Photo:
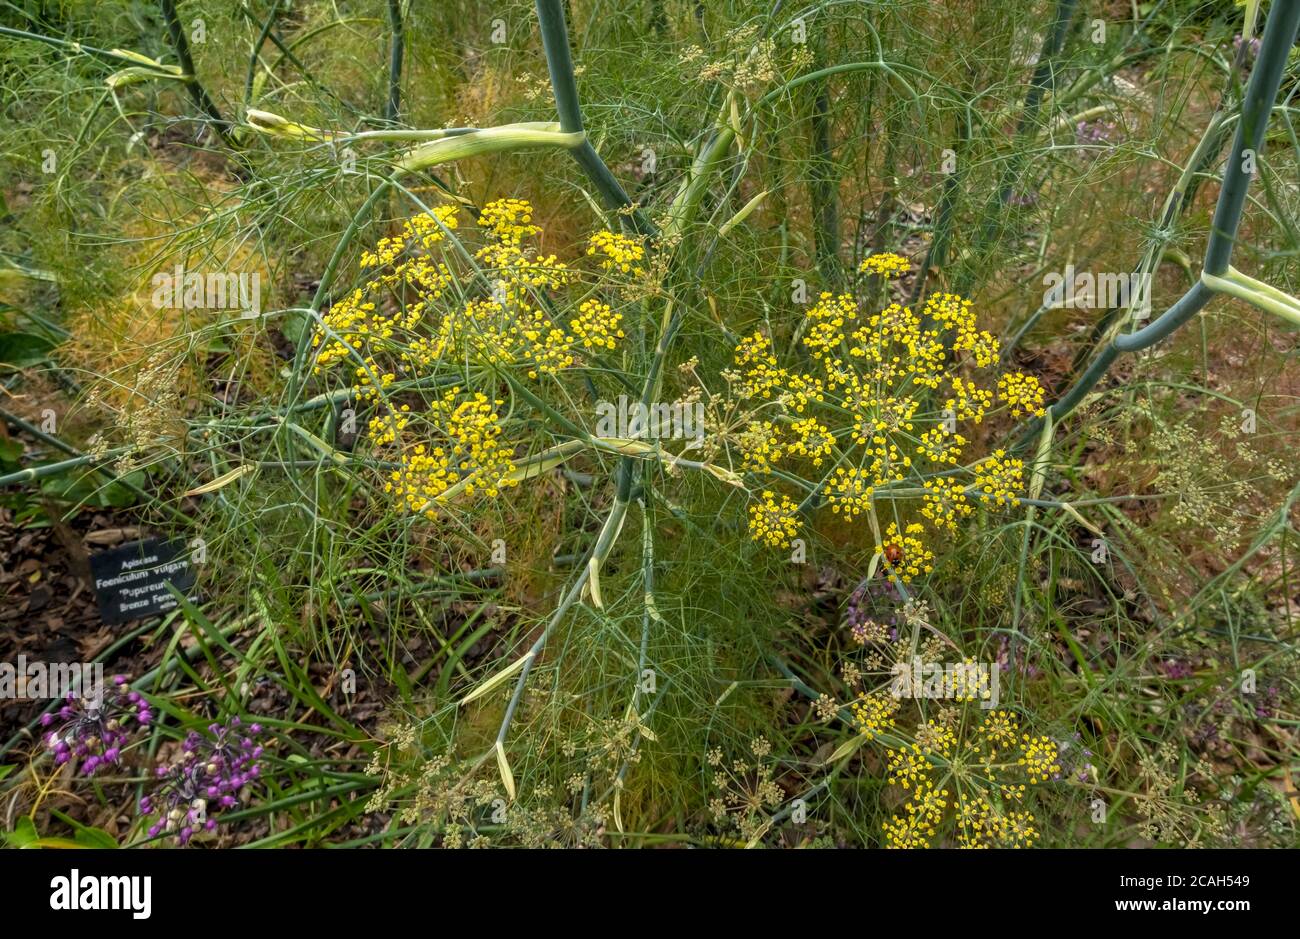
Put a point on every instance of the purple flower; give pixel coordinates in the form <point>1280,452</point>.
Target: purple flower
<point>1272,697</point>
<point>207,778</point>
<point>1095,133</point>
<point>1252,50</point>
<point>92,732</point>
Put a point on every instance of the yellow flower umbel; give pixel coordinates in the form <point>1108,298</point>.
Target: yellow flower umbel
<point>387,428</point>
<point>424,475</point>
<point>404,323</point>
<point>885,264</point>
<point>881,399</point>
<point>596,326</point>
<point>758,374</point>
<point>420,231</point>
<point>1039,758</point>
<point>849,491</point>
<point>617,252</point>
<point>873,713</point>
<point>969,402</point>
<point>471,456</point>
<point>773,521</point>
<point>999,730</point>
<point>999,478</point>
<point>945,502</point>
<point>905,553</point>
<point>826,322</point>
<point>939,446</point>
<point>983,811</point>
<point>907,766</point>
<point>1022,392</point>
<point>760,445</point>
<point>510,220</point>
<point>358,327</point>
<point>510,325</point>
<point>812,439</point>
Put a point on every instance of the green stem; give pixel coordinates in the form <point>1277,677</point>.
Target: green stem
<point>33,473</point>
<point>1044,77</point>
<point>395,54</point>
<point>296,380</point>
<point>822,190</point>
<point>1270,65</point>
<point>936,254</point>
<point>564,85</point>
<point>1278,38</point>
<point>76,47</point>
<point>257,51</point>
<point>181,45</point>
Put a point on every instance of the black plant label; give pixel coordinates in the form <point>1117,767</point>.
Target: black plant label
<point>131,580</point>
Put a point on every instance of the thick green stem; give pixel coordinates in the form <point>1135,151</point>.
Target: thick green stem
<point>564,85</point>
<point>296,379</point>
<point>1279,36</point>
<point>33,473</point>
<point>181,45</point>
<point>822,190</point>
<point>107,55</point>
<point>943,222</point>
<point>1247,148</point>
<point>1044,77</point>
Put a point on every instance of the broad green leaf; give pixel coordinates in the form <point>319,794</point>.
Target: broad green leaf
<point>23,349</point>
<point>24,833</point>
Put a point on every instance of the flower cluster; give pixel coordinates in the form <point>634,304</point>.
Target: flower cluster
<point>978,767</point>
<point>207,780</point>
<point>404,322</point>
<point>879,405</point>
<point>746,791</point>
<point>849,491</point>
<point>965,772</point>
<point>773,521</point>
<point>92,732</point>
<point>1039,758</point>
<point>356,327</point>
<point>998,478</point>
<point>746,62</point>
<point>885,264</point>
<point>617,252</point>
<point>597,325</point>
<point>1023,393</point>
<point>471,456</point>
<point>511,220</point>
<point>873,713</point>
<point>905,553</point>
<point>760,445</point>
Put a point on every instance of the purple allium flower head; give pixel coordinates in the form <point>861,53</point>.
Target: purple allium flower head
<point>92,732</point>
<point>207,778</point>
